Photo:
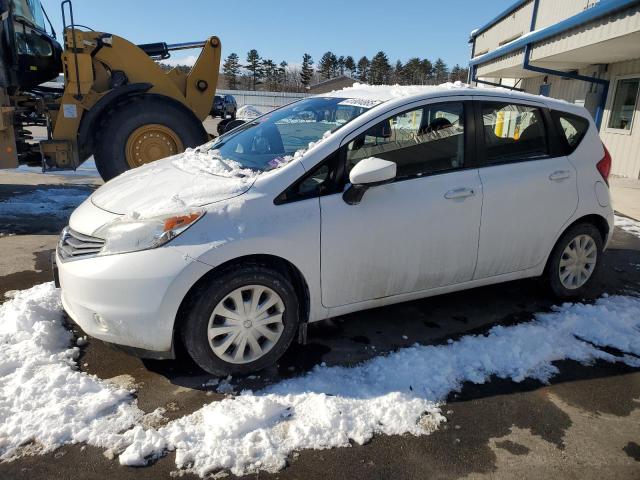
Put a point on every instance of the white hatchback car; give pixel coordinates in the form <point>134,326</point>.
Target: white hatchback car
<point>333,204</point>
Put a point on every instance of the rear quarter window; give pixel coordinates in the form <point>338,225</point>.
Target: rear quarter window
<point>571,128</point>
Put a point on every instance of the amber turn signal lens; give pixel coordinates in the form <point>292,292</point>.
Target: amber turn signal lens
<point>175,222</point>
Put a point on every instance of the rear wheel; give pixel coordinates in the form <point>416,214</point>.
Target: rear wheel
<point>142,130</point>
<point>574,261</point>
<point>243,321</point>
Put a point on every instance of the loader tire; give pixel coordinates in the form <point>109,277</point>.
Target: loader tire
<point>143,129</point>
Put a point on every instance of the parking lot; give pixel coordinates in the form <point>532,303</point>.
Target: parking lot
<point>584,424</point>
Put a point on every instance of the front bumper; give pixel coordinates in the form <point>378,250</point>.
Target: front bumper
<point>129,299</point>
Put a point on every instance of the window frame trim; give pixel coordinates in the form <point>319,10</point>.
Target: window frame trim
<point>636,106</point>
<point>552,140</point>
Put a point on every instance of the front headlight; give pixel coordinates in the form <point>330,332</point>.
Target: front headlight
<point>131,235</point>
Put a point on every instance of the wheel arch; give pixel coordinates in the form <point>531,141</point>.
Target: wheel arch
<point>270,261</point>
<point>594,219</point>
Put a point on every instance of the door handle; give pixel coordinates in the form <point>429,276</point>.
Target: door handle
<point>559,175</point>
<point>459,193</point>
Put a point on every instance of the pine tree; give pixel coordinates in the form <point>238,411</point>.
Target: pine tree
<point>459,74</point>
<point>440,71</point>
<point>270,72</point>
<point>380,69</point>
<point>306,73</point>
<point>231,70</point>
<point>254,66</point>
<point>341,64</point>
<point>426,70</point>
<point>363,69</point>
<point>413,72</point>
<point>282,75</point>
<point>398,73</point>
<point>350,64</point>
<point>328,65</point>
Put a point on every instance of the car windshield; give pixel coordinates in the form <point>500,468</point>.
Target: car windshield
<point>273,139</point>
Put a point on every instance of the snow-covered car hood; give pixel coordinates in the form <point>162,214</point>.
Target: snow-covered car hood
<point>191,179</point>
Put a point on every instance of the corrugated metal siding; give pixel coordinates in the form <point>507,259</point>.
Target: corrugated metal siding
<point>516,24</point>
<point>569,90</point>
<point>508,61</point>
<point>606,28</point>
<point>625,149</point>
<point>551,12</point>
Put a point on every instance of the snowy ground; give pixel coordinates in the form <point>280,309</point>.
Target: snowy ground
<point>59,202</point>
<point>87,169</point>
<point>628,225</point>
<point>45,401</point>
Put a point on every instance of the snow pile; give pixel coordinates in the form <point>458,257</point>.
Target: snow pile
<point>52,201</point>
<point>209,161</point>
<point>44,399</point>
<point>628,225</point>
<point>394,394</point>
<point>248,112</point>
<point>383,93</point>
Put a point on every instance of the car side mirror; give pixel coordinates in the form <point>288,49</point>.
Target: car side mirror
<point>368,173</point>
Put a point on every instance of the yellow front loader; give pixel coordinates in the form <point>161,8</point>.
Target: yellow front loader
<point>118,104</point>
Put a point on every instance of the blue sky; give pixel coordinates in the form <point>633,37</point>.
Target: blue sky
<point>285,29</point>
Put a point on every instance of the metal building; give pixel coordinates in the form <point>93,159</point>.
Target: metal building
<point>582,51</point>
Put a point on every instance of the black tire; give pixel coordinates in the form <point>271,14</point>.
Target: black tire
<point>195,325</point>
<point>231,124</point>
<point>222,125</point>
<point>119,122</point>
<point>553,265</point>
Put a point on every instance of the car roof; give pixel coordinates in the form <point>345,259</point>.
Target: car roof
<point>409,93</point>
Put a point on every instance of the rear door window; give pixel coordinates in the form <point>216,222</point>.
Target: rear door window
<point>513,133</point>
<point>572,129</point>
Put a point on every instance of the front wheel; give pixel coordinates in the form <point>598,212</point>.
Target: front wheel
<point>243,321</point>
<point>144,129</point>
<point>574,261</point>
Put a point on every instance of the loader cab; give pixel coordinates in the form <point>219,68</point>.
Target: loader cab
<point>30,55</point>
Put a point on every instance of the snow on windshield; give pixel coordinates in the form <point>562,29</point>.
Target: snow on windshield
<point>46,402</point>
<point>203,160</point>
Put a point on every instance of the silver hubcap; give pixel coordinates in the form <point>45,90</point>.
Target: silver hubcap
<point>578,262</point>
<point>246,324</point>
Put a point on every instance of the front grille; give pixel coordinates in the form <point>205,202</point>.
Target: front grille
<point>74,246</point>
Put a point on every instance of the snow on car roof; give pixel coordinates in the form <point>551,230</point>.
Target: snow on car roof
<point>377,94</point>
<point>383,93</point>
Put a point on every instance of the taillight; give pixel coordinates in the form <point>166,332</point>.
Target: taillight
<point>604,165</point>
